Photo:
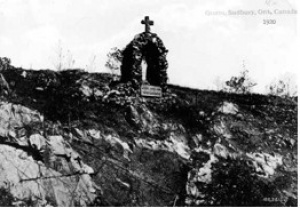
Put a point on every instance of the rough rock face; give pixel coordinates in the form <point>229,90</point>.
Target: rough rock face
<point>45,170</point>
<point>28,179</point>
<point>240,169</point>
<point>69,138</point>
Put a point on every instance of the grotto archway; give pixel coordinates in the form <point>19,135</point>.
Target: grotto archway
<point>147,46</point>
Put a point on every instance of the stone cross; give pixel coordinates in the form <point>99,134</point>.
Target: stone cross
<point>147,22</point>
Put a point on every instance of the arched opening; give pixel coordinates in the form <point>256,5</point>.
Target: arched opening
<point>144,58</point>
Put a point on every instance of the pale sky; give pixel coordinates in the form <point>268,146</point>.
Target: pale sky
<point>201,47</point>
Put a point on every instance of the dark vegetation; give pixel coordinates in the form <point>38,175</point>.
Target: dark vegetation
<point>6,199</point>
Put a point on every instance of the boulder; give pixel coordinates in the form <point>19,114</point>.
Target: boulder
<point>81,135</point>
<point>220,128</point>
<point>86,90</point>
<point>221,151</point>
<point>37,141</point>
<point>98,93</point>
<point>4,86</point>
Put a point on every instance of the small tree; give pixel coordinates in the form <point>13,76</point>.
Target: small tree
<point>242,83</point>
<point>285,86</point>
<point>114,60</point>
<point>69,60</point>
<point>91,66</point>
<point>219,84</point>
<point>61,59</point>
<point>4,63</point>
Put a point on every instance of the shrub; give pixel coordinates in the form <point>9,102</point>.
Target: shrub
<point>242,83</point>
<point>62,60</point>
<point>235,184</point>
<point>4,63</point>
<point>114,60</point>
<point>285,86</point>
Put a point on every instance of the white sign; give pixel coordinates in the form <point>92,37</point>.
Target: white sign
<point>151,91</point>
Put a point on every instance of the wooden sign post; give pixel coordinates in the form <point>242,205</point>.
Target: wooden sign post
<point>151,91</point>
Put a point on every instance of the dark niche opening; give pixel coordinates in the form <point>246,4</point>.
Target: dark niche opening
<point>148,47</point>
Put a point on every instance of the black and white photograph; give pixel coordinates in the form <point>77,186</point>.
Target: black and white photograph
<point>149,103</point>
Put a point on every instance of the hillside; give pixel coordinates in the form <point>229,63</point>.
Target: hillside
<point>71,138</point>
